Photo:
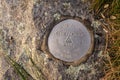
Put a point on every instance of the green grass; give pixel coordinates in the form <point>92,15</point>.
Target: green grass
<point>19,69</point>
<point>24,75</point>
<point>109,10</point>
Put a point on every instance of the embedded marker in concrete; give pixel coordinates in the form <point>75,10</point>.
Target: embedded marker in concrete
<point>69,40</point>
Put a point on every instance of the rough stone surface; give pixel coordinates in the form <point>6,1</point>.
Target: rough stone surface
<point>69,40</point>
<point>23,24</point>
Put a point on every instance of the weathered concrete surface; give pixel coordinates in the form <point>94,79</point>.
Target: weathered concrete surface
<point>23,24</point>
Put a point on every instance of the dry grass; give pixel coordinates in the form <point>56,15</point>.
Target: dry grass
<point>109,11</point>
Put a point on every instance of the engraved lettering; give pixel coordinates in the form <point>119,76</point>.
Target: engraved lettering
<point>69,38</point>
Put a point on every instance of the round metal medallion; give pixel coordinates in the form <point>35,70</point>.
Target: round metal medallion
<point>69,40</point>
